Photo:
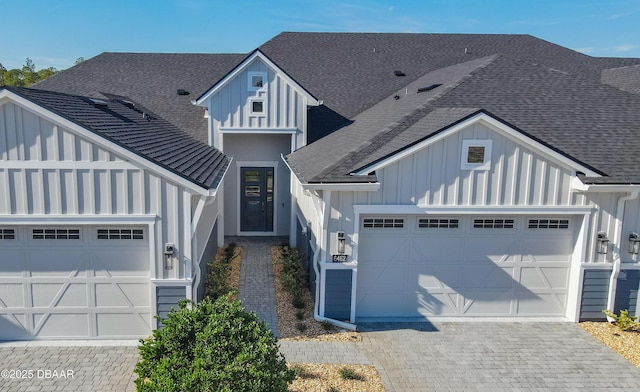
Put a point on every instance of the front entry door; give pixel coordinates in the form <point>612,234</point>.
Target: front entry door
<point>256,199</point>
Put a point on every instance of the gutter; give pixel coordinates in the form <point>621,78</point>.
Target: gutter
<point>617,239</point>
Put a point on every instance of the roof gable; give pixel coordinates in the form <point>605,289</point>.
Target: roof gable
<point>137,133</point>
<point>257,55</point>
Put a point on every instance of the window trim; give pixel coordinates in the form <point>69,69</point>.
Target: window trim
<point>464,159</point>
<point>6,232</point>
<point>264,106</point>
<point>58,233</point>
<point>548,223</point>
<point>388,222</point>
<point>439,223</point>
<point>116,233</point>
<point>490,223</point>
<point>250,85</point>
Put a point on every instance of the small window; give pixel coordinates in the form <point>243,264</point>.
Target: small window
<point>476,155</point>
<point>56,234</point>
<point>120,234</point>
<point>257,80</point>
<point>548,223</point>
<point>386,223</point>
<point>438,223</point>
<point>7,234</point>
<point>257,106</point>
<point>493,223</point>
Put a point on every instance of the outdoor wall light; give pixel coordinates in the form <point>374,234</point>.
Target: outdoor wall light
<point>341,242</point>
<point>634,243</point>
<point>169,252</point>
<point>602,245</point>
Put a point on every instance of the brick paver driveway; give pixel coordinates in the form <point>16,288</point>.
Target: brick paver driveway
<point>67,368</point>
<point>480,356</point>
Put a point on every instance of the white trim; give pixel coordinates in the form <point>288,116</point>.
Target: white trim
<point>355,187</point>
<point>132,158</point>
<point>73,165</point>
<point>241,67</point>
<point>574,286</point>
<point>464,157</point>
<point>579,186</point>
<point>466,210</point>
<point>494,125</point>
<point>275,131</point>
<point>266,164</point>
<point>77,219</point>
<point>186,283</point>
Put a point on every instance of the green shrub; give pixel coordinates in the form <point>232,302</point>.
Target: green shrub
<point>298,370</point>
<point>624,321</point>
<point>301,327</point>
<point>298,302</point>
<point>299,314</point>
<point>211,346</point>
<point>333,389</point>
<point>327,326</point>
<point>346,373</point>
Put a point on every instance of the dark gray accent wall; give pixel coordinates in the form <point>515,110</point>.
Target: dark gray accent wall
<point>595,289</point>
<point>337,300</point>
<point>167,297</point>
<point>208,255</point>
<point>627,291</point>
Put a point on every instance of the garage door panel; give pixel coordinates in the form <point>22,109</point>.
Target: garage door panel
<point>63,325</point>
<point>544,277</point>
<point>118,263</point>
<point>13,326</point>
<point>12,263</point>
<point>122,294</point>
<point>436,249</point>
<point>542,304</point>
<point>110,324</point>
<point>11,295</point>
<point>488,275</point>
<point>430,304</point>
<point>381,249</point>
<point>465,271</point>
<point>68,288</point>
<point>489,302</point>
<point>58,263</point>
<point>46,295</point>
<point>436,276</point>
<point>382,275</point>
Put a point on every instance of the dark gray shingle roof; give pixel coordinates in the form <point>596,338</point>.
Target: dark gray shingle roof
<point>121,121</point>
<point>151,79</point>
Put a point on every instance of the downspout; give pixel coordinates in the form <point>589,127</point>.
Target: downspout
<point>617,239</point>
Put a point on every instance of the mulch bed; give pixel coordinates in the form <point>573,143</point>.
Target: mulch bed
<point>324,377</point>
<point>291,321</point>
<point>625,343</point>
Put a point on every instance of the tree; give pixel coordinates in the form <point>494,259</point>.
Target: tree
<point>25,76</point>
<point>212,346</point>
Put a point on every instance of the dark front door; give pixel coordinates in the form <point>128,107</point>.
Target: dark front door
<point>256,199</point>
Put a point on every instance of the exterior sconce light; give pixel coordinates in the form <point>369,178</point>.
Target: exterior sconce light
<point>341,242</point>
<point>634,243</point>
<point>169,251</point>
<point>602,245</point>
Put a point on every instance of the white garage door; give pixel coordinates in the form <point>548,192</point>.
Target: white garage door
<point>74,282</point>
<point>410,266</point>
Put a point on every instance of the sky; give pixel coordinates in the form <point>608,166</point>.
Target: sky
<point>54,33</point>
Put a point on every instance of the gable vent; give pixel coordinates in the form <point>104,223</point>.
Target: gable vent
<point>429,88</point>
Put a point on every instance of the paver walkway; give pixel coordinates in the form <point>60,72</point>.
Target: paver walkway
<point>67,368</point>
<point>257,286</point>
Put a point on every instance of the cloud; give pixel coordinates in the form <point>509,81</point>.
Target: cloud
<point>625,47</point>
<point>588,50</point>
<point>623,14</point>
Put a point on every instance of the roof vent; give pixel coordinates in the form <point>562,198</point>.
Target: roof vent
<point>399,73</point>
<point>98,102</point>
<point>429,88</point>
<point>128,104</point>
<point>182,91</point>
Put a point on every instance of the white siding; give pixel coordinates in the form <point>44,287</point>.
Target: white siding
<point>518,176</point>
<point>285,106</point>
<point>49,170</point>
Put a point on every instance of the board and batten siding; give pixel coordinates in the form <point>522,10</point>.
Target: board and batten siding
<point>518,176</point>
<point>46,169</point>
<point>285,106</point>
